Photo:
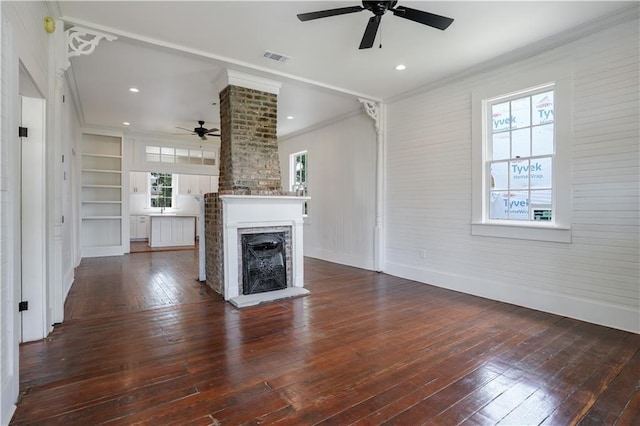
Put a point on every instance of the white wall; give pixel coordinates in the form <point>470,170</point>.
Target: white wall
<point>71,140</point>
<point>24,40</point>
<point>428,191</point>
<point>23,36</point>
<point>8,297</point>
<point>341,184</point>
<point>31,41</point>
<point>75,165</point>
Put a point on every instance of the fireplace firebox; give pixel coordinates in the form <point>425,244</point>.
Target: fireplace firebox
<point>263,262</point>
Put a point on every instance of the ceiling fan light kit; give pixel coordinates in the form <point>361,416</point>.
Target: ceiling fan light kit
<point>379,8</point>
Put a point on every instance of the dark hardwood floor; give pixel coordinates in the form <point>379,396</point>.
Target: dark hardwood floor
<point>145,343</point>
<point>143,247</point>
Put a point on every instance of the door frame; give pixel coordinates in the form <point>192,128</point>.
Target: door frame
<point>33,216</point>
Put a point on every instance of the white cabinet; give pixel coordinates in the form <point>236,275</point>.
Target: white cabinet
<point>138,227</point>
<point>204,183</point>
<point>197,184</point>
<point>138,182</point>
<point>172,230</point>
<point>185,184</point>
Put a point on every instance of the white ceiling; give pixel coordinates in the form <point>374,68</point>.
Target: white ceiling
<point>174,50</point>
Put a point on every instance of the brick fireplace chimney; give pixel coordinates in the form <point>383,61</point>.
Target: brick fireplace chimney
<point>249,166</point>
<point>249,162</point>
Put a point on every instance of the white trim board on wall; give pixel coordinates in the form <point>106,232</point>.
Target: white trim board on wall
<point>559,304</point>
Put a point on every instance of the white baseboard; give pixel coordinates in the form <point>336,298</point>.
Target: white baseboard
<point>102,251</point>
<point>607,314</point>
<point>8,407</point>
<point>68,282</point>
<point>8,415</point>
<point>340,258</point>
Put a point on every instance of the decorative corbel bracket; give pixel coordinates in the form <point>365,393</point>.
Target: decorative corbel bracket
<point>82,41</point>
<point>373,110</point>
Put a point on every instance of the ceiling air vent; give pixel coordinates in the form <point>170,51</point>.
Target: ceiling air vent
<point>276,56</point>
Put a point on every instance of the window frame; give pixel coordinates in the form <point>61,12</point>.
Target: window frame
<point>489,161</point>
<point>292,177</point>
<point>174,188</point>
<point>176,155</point>
<point>557,230</point>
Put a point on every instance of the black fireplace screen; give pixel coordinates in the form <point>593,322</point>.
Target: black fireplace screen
<point>263,262</point>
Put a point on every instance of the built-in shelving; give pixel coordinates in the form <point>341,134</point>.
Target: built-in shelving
<point>101,195</point>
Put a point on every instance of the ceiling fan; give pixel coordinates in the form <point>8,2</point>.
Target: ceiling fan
<point>201,131</point>
<point>379,8</point>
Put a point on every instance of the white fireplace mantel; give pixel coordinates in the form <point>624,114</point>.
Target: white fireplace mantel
<point>257,211</point>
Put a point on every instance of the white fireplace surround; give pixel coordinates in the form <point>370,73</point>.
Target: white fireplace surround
<point>258,211</point>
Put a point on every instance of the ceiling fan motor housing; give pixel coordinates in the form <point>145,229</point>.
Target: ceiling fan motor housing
<point>379,8</point>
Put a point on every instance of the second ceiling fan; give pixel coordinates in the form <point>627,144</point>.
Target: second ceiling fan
<point>201,131</point>
<point>379,8</point>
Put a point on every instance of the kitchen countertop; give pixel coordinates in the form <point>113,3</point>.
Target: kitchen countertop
<point>170,215</point>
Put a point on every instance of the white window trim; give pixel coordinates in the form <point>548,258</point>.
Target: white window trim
<point>174,192</point>
<point>559,230</point>
<point>292,166</point>
<point>292,178</point>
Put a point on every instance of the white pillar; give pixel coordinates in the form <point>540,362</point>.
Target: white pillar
<point>375,110</point>
<point>54,177</point>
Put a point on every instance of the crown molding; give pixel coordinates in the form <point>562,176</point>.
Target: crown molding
<point>236,78</point>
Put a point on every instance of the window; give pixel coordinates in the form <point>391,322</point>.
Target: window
<point>161,190</point>
<point>298,175</point>
<point>520,143</point>
<point>163,154</point>
<point>521,170</point>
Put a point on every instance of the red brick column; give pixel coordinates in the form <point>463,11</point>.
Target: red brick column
<point>249,164</point>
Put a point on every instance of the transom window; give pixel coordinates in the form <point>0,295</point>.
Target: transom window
<point>520,143</point>
<point>161,190</point>
<point>164,154</point>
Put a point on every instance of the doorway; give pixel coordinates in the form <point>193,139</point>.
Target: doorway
<point>32,213</point>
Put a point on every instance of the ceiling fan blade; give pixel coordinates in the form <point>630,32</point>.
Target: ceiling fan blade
<point>426,18</point>
<point>214,134</point>
<point>213,129</point>
<point>329,12</point>
<point>182,128</point>
<point>370,32</point>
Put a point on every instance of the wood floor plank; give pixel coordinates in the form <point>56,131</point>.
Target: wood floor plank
<point>379,392</point>
<point>144,343</point>
<point>575,407</point>
<point>398,407</point>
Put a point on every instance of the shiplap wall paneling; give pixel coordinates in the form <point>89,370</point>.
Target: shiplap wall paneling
<point>8,286</point>
<point>341,181</point>
<point>22,40</point>
<point>428,170</point>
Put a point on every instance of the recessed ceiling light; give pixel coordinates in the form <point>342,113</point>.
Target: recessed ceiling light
<point>126,123</point>
<point>401,67</point>
<point>289,117</point>
<point>134,89</point>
